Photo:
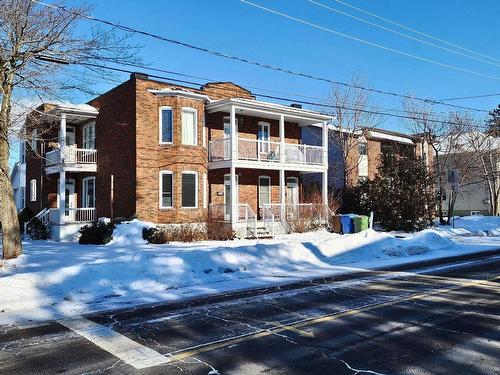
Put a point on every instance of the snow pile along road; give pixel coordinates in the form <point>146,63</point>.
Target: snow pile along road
<point>53,280</point>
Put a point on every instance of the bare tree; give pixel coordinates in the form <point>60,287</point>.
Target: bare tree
<point>30,34</point>
<point>486,151</point>
<point>353,117</point>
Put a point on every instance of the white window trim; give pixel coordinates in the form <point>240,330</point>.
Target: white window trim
<point>195,111</point>
<point>160,184</point>
<point>86,126</point>
<point>195,189</point>
<point>84,192</point>
<point>264,141</point>
<point>204,131</point>
<point>33,190</point>
<point>270,190</point>
<point>34,139</point>
<point>160,123</point>
<point>204,190</point>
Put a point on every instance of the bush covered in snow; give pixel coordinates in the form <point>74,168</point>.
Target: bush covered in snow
<point>217,229</point>
<point>24,216</point>
<point>37,230</point>
<point>171,233</point>
<point>96,234</point>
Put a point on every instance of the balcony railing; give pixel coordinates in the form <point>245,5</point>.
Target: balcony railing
<point>73,215</point>
<point>71,155</point>
<point>266,151</point>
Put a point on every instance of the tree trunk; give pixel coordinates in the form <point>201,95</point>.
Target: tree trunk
<point>11,235</point>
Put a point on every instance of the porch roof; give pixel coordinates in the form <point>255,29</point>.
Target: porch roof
<point>75,113</point>
<point>268,110</point>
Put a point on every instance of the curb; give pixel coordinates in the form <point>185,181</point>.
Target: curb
<point>133,311</point>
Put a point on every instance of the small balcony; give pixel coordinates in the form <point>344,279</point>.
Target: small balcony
<point>71,159</point>
<point>73,215</point>
<point>267,153</point>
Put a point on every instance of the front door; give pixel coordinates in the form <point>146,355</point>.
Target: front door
<point>70,200</point>
<point>292,197</point>
<point>227,136</point>
<point>227,195</point>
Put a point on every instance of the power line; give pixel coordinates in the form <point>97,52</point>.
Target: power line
<point>416,31</point>
<point>259,64</point>
<point>324,105</point>
<point>403,34</point>
<point>449,66</point>
<point>471,97</point>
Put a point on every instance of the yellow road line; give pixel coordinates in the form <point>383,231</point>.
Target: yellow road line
<point>202,348</point>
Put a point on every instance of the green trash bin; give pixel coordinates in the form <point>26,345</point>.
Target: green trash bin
<point>360,223</point>
<point>335,224</point>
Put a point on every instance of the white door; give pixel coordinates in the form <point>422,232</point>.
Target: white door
<point>88,192</point>
<point>264,136</point>
<point>292,190</point>
<point>70,200</point>
<point>70,135</point>
<point>227,195</point>
<point>227,136</point>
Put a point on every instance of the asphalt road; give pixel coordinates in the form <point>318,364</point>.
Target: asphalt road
<point>442,320</point>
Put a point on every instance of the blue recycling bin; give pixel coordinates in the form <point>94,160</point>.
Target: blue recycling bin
<point>347,224</point>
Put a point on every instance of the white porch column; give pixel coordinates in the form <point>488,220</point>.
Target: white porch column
<point>62,136</point>
<point>234,196</point>
<point>282,191</point>
<point>234,135</point>
<point>282,138</point>
<point>62,195</point>
<point>324,142</point>
<point>324,187</point>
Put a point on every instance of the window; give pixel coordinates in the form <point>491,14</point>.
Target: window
<point>22,152</point>
<point>33,190</point>
<point>22,202</point>
<point>362,148</point>
<point>88,136</point>
<point>475,213</point>
<point>264,190</point>
<point>264,136</point>
<point>189,189</point>
<point>166,189</point>
<point>189,126</point>
<point>34,136</point>
<point>166,125</point>
<point>88,192</point>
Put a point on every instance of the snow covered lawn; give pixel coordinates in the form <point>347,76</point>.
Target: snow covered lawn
<point>53,280</point>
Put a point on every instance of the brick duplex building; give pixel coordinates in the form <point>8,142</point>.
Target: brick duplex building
<point>166,153</point>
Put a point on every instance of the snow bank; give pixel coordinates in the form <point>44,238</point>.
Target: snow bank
<point>53,280</point>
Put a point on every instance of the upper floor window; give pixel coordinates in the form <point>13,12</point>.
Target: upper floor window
<point>264,136</point>
<point>166,189</point>
<point>189,126</point>
<point>22,152</point>
<point>34,137</point>
<point>166,125</point>
<point>33,190</point>
<point>362,148</point>
<point>88,136</point>
<point>189,189</point>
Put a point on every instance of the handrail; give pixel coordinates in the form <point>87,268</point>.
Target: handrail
<point>268,218</point>
<point>250,219</point>
<point>266,151</point>
<point>72,155</point>
<point>43,216</point>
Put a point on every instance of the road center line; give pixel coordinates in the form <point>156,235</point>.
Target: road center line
<point>219,344</point>
<point>129,351</point>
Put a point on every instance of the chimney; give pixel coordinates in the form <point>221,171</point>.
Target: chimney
<point>296,105</point>
<point>138,75</point>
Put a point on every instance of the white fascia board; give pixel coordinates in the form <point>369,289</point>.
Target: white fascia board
<point>188,94</point>
<point>390,137</point>
<point>278,108</point>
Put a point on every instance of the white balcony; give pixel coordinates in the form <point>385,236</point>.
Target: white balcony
<point>72,159</point>
<point>266,154</point>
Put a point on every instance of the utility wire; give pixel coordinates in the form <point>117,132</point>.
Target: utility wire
<point>416,31</point>
<point>256,63</point>
<point>403,34</point>
<point>335,32</point>
<point>323,105</point>
<point>471,97</point>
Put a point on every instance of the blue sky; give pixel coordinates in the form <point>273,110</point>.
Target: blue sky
<point>239,29</point>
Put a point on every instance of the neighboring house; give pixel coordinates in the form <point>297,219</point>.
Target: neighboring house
<point>18,180</point>
<point>460,155</point>
<point>365,153</point>
<point>164,153</point>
